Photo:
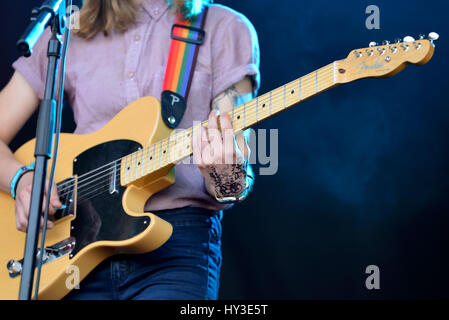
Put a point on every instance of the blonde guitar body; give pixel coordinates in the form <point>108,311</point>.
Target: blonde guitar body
<point>105,178</point>
<point>140,122</point>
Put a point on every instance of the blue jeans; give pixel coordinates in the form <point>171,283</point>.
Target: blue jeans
<point>186,267</point>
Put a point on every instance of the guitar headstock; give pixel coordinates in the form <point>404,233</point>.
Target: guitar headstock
<point>387,59</point>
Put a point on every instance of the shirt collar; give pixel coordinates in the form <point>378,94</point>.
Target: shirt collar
<point>155,8</point>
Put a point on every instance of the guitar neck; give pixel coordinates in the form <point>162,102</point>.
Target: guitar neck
<point>178,146</point>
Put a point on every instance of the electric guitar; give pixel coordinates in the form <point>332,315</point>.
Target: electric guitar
<point>105,178</point>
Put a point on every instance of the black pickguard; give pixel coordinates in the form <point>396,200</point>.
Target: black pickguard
<point>100,215</point>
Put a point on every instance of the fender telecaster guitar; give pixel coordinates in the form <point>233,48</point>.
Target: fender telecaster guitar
<point>105,178</point>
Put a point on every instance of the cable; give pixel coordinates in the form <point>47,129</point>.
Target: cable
<point>55,146</point>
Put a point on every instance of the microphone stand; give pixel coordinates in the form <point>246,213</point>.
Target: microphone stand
<point>53,14</point>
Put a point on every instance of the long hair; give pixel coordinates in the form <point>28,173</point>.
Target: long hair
<point>118,15</point>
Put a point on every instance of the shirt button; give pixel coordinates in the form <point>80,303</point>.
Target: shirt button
<point>156,12</point>
<point>137,38</point>
<point>131,75</point>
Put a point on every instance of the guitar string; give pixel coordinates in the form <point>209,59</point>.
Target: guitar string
<point>164,140</point>
<point>83,193</point>
<point>277,95</point>
<point>275,99</point>
<point>108,175</point>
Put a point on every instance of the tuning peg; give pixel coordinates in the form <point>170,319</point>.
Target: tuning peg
<point>397,40</point>
<point>409,39</point>
<point>373,44</point>
<point>385,42</point>
<point>433,36</point>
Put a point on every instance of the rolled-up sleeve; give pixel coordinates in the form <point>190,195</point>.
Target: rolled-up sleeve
<point>34,68</point>
<point>235,54</point>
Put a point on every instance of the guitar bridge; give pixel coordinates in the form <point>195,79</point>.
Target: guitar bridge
<point>52,253</point>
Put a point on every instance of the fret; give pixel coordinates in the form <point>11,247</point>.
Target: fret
<point>153,157</point>
<point>129,168</point>
<point>160,156</point>
<point>183,144</point>
<point>291,97</point>
<point>168,150</point>
<point>164,152</point>
<point>126,170</point>
<point>180,144</point>
<point>232,118</point>
<point>137,166</point>
<point>175,155</point>
<point>244,115</point>
<point>316,81</point>
<point>308,87</point>
<point>285,96</point>
<point>189,142</point>
<point>270,101</point>
<point>275,104</point>
<point>148,160</point>
<point>264,112</point>
<point>335,71</point>
<point>188,147</point>
<point>136,173</point>
<point>141,163</point>
<point>257,109</point>
<point>325,75</point>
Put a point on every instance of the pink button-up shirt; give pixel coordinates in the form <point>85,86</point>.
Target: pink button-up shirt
<point>105,74</point>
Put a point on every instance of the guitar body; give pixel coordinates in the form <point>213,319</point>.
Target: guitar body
<point>100,224</point>
<point>104,182</point>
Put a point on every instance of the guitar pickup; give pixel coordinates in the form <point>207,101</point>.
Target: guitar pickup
<point>52,253</point>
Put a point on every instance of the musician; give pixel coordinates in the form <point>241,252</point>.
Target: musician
<point>118,55</point>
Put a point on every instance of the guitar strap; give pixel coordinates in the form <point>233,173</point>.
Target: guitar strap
<point>187,37</point>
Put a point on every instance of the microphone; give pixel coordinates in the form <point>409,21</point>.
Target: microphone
<point>41,18</point>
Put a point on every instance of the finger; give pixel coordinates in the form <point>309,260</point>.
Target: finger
<point>25,201</point>
<point>212,125</point>
<point>228,139</point>
<point>229,146</point>
<point>55,203</point>
<point>216,146</point>
<point>54,198</point>
<point>197,149</point>
<point>21,220</point>
<point>213,119</point>
<point>215,137</point>
<point>206,152</point>
<point>225,121</point>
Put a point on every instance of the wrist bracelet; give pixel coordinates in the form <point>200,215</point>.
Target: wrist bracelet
<point>19,174</point>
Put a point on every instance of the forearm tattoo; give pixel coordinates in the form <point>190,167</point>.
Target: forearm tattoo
<point>228,180</point>
<point>231,94</point>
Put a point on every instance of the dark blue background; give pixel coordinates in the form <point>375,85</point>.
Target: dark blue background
<point>363,169</point>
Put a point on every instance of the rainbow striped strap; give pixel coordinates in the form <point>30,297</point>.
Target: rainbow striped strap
<point>187,37</point>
